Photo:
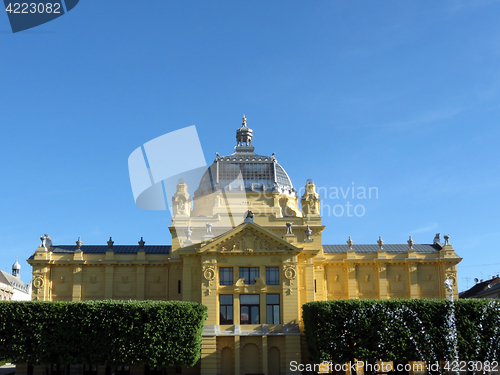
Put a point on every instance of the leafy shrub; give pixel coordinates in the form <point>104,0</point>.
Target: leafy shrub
<point>115,333</point>
<point>402,330</point>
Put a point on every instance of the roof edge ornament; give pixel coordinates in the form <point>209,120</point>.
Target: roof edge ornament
<point>380,243</point>
<point>350,243</point>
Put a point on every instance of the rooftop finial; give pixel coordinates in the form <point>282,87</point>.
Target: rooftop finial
<point>244,138</point>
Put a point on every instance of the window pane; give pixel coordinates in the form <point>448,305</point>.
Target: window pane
<point>272,276</point>
<point>244,274</point>
<point>245,318</point>
<point>249,274</point>
<point>255,314</point>
<point>276,315</point>
<point>226,299</point>
<point>249,299</point>
<point>254,272</point>
<point>273,299</point>
<point>269,314</point>
<point>226,309</point>
<point>226,275</point>
<point>273,308</point>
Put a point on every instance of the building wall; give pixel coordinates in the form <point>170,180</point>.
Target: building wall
<point>191,272</point>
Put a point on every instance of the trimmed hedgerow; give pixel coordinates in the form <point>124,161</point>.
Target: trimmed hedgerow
<point>402,330</point>
<point>116,333</point>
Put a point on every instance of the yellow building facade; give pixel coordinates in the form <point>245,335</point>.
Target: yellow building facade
<point>248,247</point>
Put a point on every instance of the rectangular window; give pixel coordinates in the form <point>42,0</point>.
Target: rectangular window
<point>249,274</point>
<point>273,308</point>
<point>249,309</point>
<point>226,309</point>
<point>226,276</point>
<point>272,276</point>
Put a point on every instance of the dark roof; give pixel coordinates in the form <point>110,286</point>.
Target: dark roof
<point>481,288</point>
<point>117,249</point>
<point>394,248</point>
<point>490,289</point>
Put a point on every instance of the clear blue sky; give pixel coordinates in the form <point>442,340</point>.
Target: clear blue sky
<point>399,95</point>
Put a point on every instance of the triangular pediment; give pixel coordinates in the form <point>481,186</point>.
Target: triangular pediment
<point>248,238</point>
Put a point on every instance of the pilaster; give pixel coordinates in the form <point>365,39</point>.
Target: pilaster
<point>141,274</point>
<point>237,357</point>
<point>320,282</point>
<point>290,293</point>
<point>292,352</point>
<point>265,360</point>
<point>413,280</point>
<point>382,281</point>
<point>108,281</point>
<point>77,283</point>
<point>351,281</point>
<point>208,285</point>
<point>209,355</point>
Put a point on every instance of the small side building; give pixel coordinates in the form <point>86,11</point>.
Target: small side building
<point>12,287</point>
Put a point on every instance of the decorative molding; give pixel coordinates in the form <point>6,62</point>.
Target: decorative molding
<point>452,276</point>
<point>209,273</point>
<point>38,282</point>
<point>412,267</point>
<point>290,272</point>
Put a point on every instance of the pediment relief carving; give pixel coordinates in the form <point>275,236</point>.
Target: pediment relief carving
<point>249,238</point>
<point>247,242</point>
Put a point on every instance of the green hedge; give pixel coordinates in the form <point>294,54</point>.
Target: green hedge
<point>402,330</point>
<point>102,332</point>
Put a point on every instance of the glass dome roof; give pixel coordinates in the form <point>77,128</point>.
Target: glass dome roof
<point>245,171</point>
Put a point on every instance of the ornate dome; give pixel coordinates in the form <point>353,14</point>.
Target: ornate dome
<point>16,266</point>
<point>245,171</point>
